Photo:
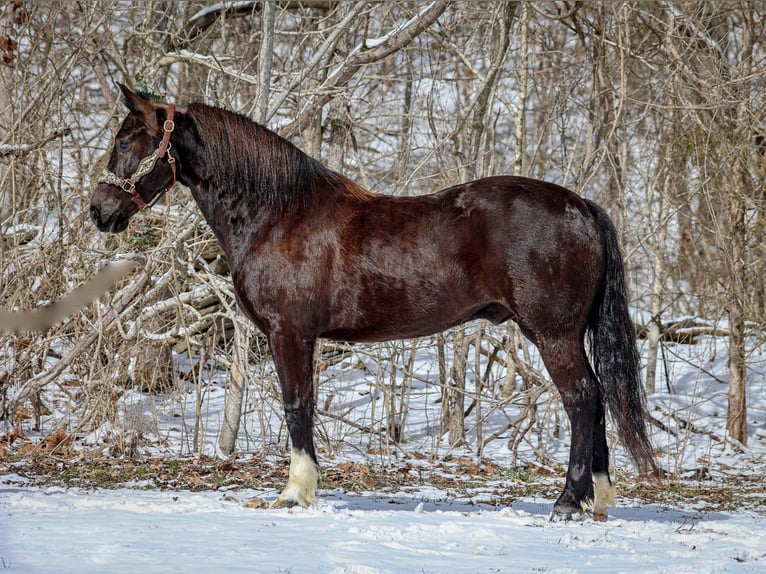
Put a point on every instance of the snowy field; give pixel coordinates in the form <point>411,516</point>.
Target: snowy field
<point>426,529</point>
<point>111,531</point>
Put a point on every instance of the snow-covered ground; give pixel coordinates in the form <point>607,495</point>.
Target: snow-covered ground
<point>52,528</point>
<point>111,531</point>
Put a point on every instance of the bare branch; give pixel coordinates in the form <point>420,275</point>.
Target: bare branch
<point>20,150</point>
<point>365,53</point>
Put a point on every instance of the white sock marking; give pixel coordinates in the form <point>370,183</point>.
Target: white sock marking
<point>302,482</point>
<point>603,493</point>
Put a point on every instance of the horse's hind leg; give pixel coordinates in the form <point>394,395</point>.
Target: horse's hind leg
<point>603,491</point>
<point>565,360</point>
<point>293,356</point>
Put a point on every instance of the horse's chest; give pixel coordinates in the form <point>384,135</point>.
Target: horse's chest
<point>270,284</point>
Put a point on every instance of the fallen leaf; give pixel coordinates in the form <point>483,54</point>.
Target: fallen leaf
<point>22,413</point>
<point>256,503</point>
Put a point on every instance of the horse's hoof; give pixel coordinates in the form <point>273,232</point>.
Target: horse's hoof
<point>567,512</point>
<point>286,503</point>
<point>600,516</point>
<point>564,512</point>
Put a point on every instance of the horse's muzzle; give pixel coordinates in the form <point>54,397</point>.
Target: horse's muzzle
<point>116,222</point>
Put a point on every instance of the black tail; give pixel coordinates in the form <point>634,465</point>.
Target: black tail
<point>616,360</point>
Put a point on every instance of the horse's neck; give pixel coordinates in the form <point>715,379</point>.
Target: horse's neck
<point>237,219</point>
<point>234,223</point>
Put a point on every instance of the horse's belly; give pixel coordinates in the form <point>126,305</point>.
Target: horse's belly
<point>408,321</point>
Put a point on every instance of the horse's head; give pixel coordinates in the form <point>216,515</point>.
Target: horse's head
<point>140,168</point>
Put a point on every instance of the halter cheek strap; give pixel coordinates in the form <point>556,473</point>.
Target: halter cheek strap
<point>146,165</point>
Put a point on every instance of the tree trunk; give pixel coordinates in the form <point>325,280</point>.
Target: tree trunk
<point>339,133</point>
<point>235,391</point>
<point>453,404</point>
<point>736,419</point>
<point>520,129</point>
<point>658,282</point>
<point>266,59</point>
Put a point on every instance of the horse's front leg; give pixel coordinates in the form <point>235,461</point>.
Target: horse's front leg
<point>293,355</point>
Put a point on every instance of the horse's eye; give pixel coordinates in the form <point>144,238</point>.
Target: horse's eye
<point>123,144</point>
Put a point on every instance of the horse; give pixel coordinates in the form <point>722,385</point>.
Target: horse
<point>314,255</point>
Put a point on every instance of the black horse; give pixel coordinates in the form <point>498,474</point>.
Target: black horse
<point>313,254</point>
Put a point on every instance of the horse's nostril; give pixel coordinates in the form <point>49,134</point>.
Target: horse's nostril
<point>113,222</point>
<point>117,222</point>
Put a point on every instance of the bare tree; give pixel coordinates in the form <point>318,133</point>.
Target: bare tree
<point>651,108</point>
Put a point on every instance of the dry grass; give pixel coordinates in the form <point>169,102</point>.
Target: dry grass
<point>462,479</point>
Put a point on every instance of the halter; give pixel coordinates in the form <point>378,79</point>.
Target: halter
<point>146,166</point>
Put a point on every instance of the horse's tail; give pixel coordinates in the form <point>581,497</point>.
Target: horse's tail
<point>615,354</point>
<point>46,317</point>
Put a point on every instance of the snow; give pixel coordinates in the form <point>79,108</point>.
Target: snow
<point>128,530</point>
<point>423,529</point>
<point>221,6</point>
<point>371,43</point>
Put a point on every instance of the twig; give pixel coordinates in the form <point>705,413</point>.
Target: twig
<point>20,150</point>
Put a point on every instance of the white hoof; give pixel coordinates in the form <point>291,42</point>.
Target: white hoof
<point>603,495</point>
<point>301,484</point>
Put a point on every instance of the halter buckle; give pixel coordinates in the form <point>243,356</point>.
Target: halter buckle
<point>128,185</point>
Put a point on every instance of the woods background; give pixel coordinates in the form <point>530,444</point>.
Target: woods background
<point>653,109</point>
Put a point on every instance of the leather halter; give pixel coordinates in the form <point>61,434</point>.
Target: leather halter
<point>146,165</point>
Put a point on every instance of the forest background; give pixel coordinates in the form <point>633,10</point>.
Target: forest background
<point>653,109</point>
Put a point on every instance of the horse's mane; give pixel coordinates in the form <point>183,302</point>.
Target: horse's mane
<point>249,159</point>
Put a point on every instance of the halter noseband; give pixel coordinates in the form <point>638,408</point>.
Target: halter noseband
<point>146,166</point>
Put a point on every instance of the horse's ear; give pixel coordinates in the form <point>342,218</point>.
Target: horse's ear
<point>140,105</point>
